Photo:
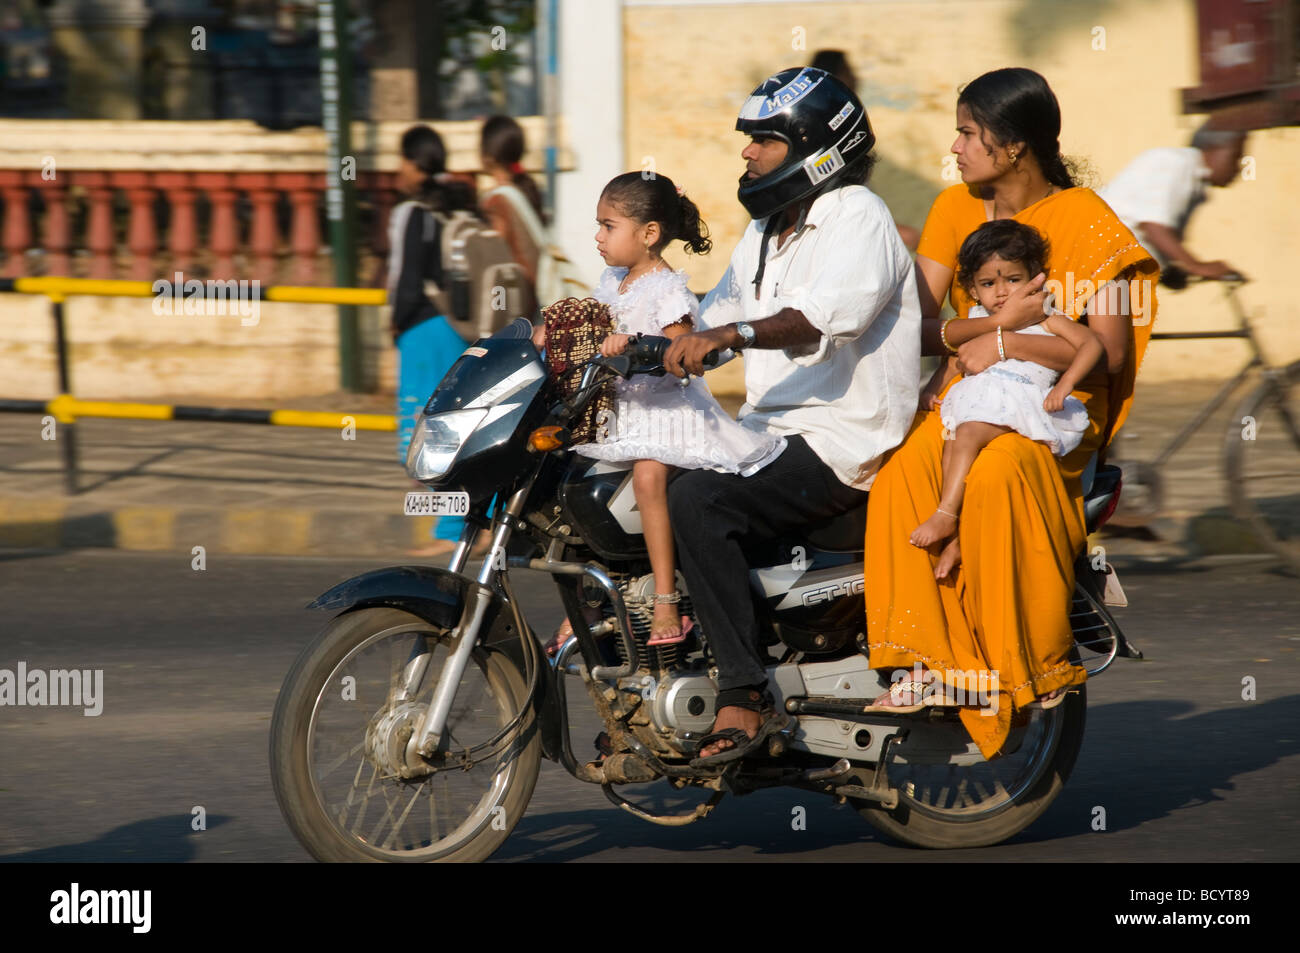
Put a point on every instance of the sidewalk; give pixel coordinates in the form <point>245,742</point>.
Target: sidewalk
<point>248,489</point>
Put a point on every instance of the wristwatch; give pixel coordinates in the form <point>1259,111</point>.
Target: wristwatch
<point>747,335</point>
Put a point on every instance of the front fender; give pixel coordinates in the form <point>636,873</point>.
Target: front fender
<point>437,596</point>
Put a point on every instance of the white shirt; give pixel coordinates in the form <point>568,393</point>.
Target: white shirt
<point>853,394</point>
<point>1162,186</point>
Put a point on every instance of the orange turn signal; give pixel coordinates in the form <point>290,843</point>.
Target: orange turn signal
<point>547,438</point>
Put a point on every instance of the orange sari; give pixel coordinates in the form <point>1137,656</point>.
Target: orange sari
<point>1006,609</point>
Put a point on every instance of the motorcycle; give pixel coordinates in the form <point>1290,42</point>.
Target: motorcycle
<point>412,727</point>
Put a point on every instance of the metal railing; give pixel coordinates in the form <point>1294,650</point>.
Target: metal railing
<point>66,409</point>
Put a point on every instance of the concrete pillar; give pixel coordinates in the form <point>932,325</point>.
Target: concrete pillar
<point>103,43</point>
<point>590,45</point>
<point>403,75</point>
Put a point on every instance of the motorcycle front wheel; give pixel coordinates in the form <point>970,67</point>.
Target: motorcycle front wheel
<point>977,805</point>
<point>341,723</point>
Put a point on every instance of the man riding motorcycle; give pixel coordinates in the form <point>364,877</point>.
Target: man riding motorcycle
<point>821,293</point>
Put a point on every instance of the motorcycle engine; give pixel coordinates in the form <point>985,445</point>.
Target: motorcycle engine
<point>678,690</point>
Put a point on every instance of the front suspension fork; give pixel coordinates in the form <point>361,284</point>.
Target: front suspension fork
<point>478,596</point>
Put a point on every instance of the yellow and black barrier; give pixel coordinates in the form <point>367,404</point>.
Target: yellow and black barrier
<point>66,409</point>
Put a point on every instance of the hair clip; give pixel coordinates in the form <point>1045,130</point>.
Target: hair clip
<point>680,190</point>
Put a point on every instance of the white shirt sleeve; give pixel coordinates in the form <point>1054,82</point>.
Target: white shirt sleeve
<point>858,275</point>
<point>722,305</point>
<point>1159,187</point>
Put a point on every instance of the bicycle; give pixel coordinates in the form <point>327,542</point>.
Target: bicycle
<point>1263,477</point>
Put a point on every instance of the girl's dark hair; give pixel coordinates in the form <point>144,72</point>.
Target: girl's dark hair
<point>502,141</point>
<point>1008,240</point>
<point>1017,105</point>
<point>655,199</point>
<point>424,148</point>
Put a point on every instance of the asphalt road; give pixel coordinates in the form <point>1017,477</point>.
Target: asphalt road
<point>1185,769</point>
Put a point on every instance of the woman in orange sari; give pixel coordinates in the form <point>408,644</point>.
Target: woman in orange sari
<point>1005,610</point>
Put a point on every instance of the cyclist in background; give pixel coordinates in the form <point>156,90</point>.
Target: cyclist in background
<point>1156,193</point>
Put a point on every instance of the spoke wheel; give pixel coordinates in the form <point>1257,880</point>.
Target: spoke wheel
<point>944,804</point>
<point>338,746</point>
<point>1262,463</point>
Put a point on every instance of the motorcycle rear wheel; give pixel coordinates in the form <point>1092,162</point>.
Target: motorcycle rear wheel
<point>925,817</point>
<point>334,794</point>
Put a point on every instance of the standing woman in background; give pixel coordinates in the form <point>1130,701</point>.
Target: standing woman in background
<point>513,206</point>
<point>427,345</point>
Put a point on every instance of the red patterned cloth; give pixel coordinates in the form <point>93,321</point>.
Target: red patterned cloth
<point>575,328</point>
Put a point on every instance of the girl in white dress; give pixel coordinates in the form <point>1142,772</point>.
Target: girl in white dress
<point>1011,395</point>
<point>660,422</point>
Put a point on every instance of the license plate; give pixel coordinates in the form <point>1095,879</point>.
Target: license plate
<point>437,504</point>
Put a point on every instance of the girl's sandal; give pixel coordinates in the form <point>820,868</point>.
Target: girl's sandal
<point>669,632</point>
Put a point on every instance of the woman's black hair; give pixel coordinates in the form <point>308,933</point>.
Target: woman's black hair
<point>424,148</point>
<point>502,140</point>
<point>648,197</point>
<point>1017,105</point>
<point>1008,240</point>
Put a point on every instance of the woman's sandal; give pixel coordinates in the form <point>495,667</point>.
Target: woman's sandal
<point>896,691</point>
<point>930,697</point>
<point>1050,703</point>
<point>669,633</point>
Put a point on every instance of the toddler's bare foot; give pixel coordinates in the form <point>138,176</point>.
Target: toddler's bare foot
<point>949,559</point>
<point>940,525</point>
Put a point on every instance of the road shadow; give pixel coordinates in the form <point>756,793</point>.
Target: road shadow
<point>1146,760</point>
<point>1141,761</point>
<point>168,840</point>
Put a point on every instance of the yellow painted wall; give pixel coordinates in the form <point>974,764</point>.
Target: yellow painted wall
<point>690,66</point>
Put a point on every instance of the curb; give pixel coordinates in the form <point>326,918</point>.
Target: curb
<point>51,523</point>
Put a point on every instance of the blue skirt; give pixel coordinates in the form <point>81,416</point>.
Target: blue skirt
<point>424,355</point>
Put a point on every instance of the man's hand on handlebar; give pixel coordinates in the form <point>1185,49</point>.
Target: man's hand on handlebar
<point>685,355</point>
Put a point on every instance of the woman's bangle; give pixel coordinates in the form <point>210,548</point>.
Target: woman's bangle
<point>1002,353</point>
<point>943,334</point>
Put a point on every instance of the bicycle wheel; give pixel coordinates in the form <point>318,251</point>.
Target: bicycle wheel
<point>1262,462</point>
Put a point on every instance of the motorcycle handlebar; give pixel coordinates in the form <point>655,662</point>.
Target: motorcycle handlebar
<point>646,352</point>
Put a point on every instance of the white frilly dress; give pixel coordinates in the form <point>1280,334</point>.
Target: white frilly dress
<point>1011,393</point>
<point>665,418</point>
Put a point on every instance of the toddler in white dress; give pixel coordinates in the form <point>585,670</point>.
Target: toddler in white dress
<point>1010,395</point>
<point>660,422</point>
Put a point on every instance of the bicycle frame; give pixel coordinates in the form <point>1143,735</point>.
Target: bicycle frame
<point>1243,331</point>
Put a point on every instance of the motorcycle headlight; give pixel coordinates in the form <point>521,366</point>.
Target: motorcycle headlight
<point>437,440</point>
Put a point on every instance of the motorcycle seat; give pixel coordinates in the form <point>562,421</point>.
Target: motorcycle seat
<point>843,533</point>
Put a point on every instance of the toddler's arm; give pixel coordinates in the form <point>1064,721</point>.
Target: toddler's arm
<point>1088,351</point>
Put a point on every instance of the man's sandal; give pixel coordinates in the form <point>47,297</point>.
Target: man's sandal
<point>669,633</point>
<point>742,744</point>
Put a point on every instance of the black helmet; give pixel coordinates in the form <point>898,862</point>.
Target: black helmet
<point>823,123</point>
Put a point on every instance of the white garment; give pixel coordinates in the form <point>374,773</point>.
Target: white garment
<point>1011,393</point>
<point>853,394</point>
<point>665,418</point>
<point>1161,186</point>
